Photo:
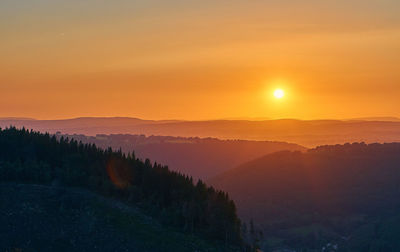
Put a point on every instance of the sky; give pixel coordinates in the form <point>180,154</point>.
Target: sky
<point>199,60</point>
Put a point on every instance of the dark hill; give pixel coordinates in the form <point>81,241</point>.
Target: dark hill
<point>328,194</point>
<point>169,197</point>
<point>48,218</point>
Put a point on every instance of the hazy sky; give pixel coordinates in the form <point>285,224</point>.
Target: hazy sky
<point>205,59</point>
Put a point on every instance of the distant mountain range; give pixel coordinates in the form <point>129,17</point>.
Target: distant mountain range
<point>307,133</point>
<point>381,118</point>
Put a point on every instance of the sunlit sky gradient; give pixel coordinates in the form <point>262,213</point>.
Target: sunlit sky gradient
<point>205,59</point>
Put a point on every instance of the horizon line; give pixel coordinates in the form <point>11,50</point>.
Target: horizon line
<point>254,119</point>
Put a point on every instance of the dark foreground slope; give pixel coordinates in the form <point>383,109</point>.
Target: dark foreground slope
<point>199,157</point>
<point>348,195</point>
<point>171,198</point>
<point>49,218</point>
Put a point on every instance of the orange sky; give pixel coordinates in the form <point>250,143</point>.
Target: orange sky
<point>199,59</point>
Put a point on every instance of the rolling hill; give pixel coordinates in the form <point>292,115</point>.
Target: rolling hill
<point>197,157</point>
<point>330,194</point>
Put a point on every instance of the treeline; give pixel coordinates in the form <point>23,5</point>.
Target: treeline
<point>173,198</point>
<point>203,157</point>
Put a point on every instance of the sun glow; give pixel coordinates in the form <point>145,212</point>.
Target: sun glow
<point>279,93</point>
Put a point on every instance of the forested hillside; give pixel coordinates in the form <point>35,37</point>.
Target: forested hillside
<point>347,195</point>
<point>171,198</point>
<point>64,219</point>
<point>198,157</point>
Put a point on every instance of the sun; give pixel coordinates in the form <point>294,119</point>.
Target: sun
<point>279,93</point>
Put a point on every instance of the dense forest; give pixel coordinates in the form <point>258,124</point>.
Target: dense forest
<point>343,195</point>
<point>35,158</point>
